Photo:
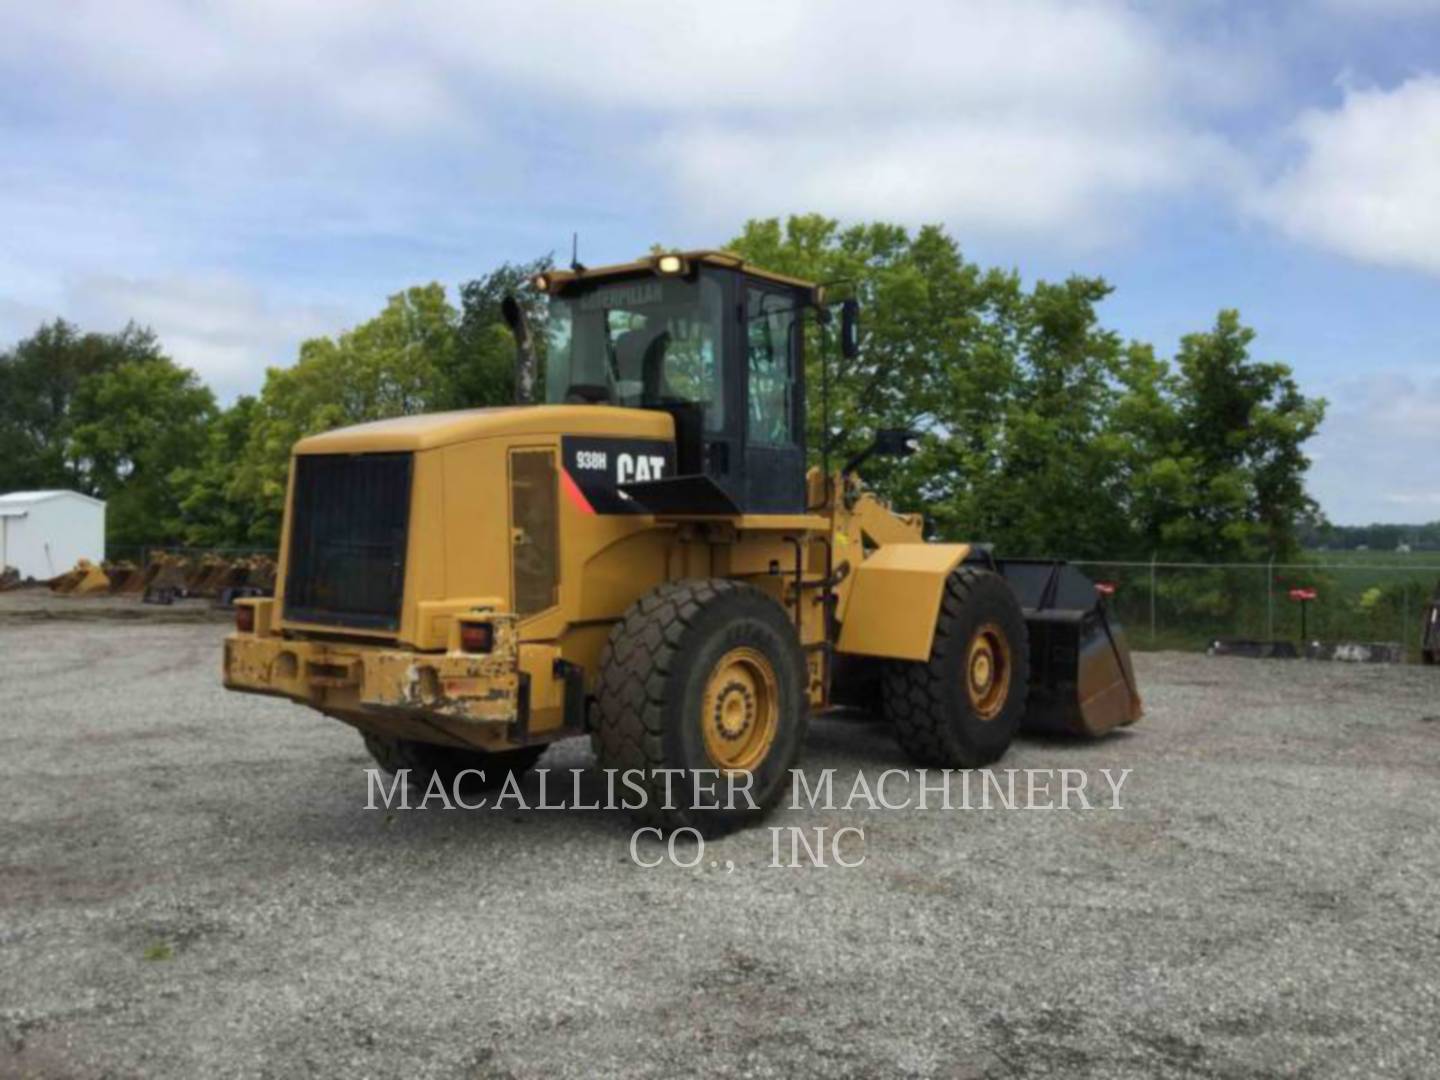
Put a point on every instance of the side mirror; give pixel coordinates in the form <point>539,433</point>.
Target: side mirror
<point>527,367</point>
<point>896,442</point>
<point>850,329</point>
<point>889,442</point>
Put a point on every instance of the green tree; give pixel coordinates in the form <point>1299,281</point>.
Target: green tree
<point>481,369</point>
<point>1012,388</point>
<point>213,513</point>
<point>1044,432</point>
<point>39,380</point>
<point>1242,428</point>
<point>395,364</point>
<point>134,426</point>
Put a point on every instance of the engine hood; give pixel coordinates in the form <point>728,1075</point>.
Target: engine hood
<point>446,429</point>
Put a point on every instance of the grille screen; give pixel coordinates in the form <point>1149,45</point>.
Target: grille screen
<point>347,539</point>
<point>534,540</point>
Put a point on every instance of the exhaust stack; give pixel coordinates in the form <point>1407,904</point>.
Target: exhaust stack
<point>527,365</point>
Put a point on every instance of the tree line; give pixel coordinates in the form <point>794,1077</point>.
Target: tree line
<point>1044,431</point>
<point>1375,537</point>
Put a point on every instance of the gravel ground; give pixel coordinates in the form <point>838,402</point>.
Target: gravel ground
<point>190,885</point>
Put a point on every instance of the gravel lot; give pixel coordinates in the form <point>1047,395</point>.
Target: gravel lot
<point>190,885</point>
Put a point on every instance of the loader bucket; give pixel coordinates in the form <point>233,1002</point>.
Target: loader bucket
<point>1081,678</point>
<point>209,577</point>
<point>168,581</point>
<point>236,576</point>
<point>262,574</point>
<point>140,581</point>
<point>197,573</point>
<point>119,574</point>
<point>85,579</point>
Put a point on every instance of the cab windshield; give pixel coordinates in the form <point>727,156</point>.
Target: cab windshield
<point>642,342</point>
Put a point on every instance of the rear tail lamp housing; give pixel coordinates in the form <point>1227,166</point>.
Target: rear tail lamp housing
<point>245,618</point>
<point>477,637</point>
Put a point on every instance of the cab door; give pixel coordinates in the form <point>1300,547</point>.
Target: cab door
<point>774,407</point>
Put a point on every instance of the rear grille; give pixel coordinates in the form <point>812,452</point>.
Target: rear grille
<point>349,524</point>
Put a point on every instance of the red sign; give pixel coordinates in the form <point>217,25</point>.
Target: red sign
<point>1302,594</point>
<point>1105,588</point>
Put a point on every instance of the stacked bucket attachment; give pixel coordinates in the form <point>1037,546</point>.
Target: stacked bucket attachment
<point>167,578</point>
<point>212,577</point>
<point>1081,679</point>
<point>254,576</point>
<point>207,577</point>
<point>140,583</point>
<point>119,573</point>
<point>86,579</point>
<point>262,575</point>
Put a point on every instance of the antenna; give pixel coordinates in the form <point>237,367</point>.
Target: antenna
<point>575,253</point>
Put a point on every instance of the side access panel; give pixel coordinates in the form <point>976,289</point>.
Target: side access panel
<point>895,600</point>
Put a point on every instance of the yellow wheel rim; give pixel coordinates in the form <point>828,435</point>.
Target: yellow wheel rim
<point>741,710</point>
<point>987,671</point>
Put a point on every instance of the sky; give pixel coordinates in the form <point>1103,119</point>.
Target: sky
<point>244,174</point>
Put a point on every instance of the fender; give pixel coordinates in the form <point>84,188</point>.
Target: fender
<point>895,600</point>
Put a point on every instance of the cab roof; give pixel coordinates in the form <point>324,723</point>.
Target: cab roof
<point>559,278</point>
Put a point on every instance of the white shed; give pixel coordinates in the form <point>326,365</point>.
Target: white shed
<point>44,533</point>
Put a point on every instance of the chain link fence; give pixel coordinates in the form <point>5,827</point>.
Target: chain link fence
<point>1182,605</point>
<point>1175,605</point>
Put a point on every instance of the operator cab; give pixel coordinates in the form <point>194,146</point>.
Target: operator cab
<point>703,336</point>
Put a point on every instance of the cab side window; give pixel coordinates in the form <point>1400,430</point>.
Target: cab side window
<point>771,328</point>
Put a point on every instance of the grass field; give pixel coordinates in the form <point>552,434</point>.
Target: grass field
<point>1361,596</point>
<point>1381,567</point>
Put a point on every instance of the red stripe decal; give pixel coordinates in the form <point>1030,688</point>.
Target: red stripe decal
<point>572,489</point>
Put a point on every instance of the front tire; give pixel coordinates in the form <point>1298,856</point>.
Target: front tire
<point>961,708</point>
<point>702,675</point>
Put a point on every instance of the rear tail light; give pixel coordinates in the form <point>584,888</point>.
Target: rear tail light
<point>245,618</point>
<point>477,637</point>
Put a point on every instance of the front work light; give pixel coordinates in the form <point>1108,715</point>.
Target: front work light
<point>669,264</point>
<point>541,282</point>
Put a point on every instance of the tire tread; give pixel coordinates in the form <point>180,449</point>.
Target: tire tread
<point>915,692</point>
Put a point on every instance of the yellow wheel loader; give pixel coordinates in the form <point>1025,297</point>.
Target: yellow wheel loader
<point>646,558</point>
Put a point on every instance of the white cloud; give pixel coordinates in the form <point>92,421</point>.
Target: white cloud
<point>810,54</point>
<point>1032,176</point>
<point>1373,8</point>
<point>1033,117</point>
<point>354,62</point>
<point>1373,455</point>
<point>226,330</point>
<point>1022,116</point>
<point>1367,183</point>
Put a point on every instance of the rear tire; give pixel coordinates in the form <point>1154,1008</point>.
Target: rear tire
<point>425,760</point>
<point>961,708</point>
<point>702,675</point>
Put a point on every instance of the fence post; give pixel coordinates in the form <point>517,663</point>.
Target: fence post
<point>1270,599</point>
<point>1405,624</point>
<point>1152,599</point>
